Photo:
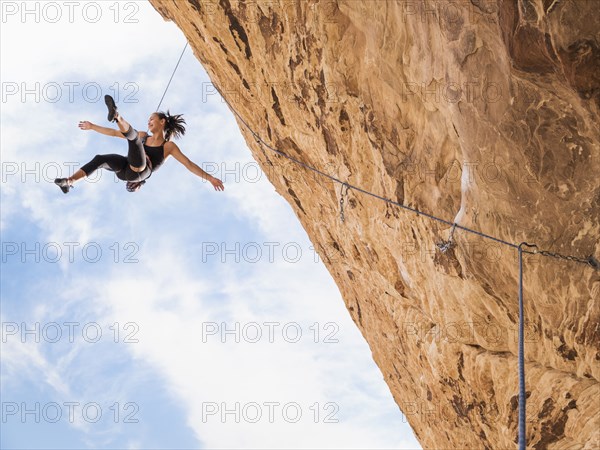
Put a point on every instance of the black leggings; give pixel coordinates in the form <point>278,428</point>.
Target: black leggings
<point>136,157</point>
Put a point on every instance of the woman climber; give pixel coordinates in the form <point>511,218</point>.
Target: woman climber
<point>146,152</point>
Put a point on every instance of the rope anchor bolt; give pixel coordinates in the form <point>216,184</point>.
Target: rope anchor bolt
<point>444,246</point>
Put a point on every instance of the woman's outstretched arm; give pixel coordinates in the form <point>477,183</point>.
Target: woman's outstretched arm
<point>172,149</point>
<point>85,125</point>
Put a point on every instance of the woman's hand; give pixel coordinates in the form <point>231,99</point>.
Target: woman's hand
<point>217,184</point>
<point>85,125</point>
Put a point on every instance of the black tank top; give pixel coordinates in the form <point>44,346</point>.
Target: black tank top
<point>156,154</point>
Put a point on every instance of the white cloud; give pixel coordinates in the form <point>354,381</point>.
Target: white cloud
<point>203,371</point>
<point>124,34</point>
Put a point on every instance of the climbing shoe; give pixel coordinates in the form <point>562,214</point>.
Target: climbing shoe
<point>63,184</point>
<point>112,108</point>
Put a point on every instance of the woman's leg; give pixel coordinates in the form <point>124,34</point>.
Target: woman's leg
<point>136,155</point>
<point>114,163</point>
<point>78,175</point>
<point>122,123</point>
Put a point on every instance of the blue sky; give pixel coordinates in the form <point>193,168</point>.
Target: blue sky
<point>139,299</point>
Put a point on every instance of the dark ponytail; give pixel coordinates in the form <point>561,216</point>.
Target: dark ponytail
<point>174,126</point>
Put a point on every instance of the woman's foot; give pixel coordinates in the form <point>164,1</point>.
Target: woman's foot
<point>112,108</point>
<point>64,184</point>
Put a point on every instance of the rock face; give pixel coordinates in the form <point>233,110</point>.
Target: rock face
<point>483,112</point>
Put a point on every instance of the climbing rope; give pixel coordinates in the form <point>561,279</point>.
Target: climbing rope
<point>163,96</point>
<point>522,395</point>
<point>172,75</point>
<point>590,260</point>
<point>443,246</point>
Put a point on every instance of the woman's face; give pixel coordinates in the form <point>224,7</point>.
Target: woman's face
<point>155,124</point>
